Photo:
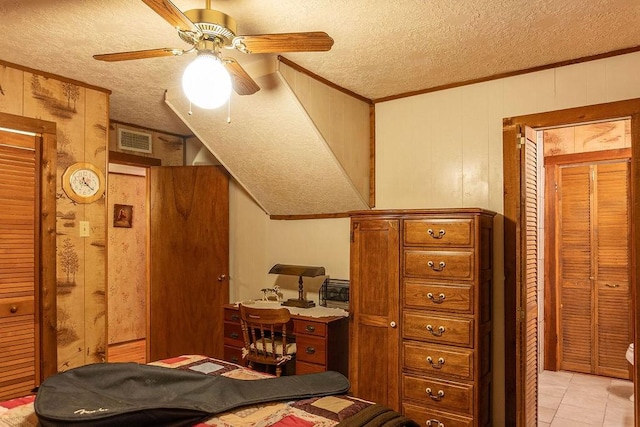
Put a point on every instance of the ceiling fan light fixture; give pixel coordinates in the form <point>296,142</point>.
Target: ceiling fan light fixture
<point>206,82</point>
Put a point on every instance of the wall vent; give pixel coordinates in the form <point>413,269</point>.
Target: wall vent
<point>134,141</point>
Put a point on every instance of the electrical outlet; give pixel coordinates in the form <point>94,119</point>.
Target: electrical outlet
<point>84,228</point>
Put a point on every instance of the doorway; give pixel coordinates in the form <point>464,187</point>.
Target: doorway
<point>521,375</point>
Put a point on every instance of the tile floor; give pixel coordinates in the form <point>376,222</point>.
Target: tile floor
<point>574,400</point>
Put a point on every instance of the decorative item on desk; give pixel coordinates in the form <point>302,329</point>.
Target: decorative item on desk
<point>271,294</point>
<point>300,271</point>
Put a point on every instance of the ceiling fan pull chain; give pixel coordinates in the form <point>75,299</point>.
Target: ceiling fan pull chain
<point>229,110</point>
<point>190,112</point>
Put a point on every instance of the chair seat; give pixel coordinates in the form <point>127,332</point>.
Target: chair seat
<point>291,347</point>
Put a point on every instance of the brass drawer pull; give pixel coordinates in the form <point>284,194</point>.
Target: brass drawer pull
<point>611,285</point>
<point>310,350</point>
<point>434,423</point>
<point>235,317</point>
<point>234,335</point>
<point>434,365</point>
<point>310,328</point>
<point>13,309</point>
<point>440,267</point>
<point>440,234</point>
<point>437,397</point>
<point>436,332</point>
<point>436,300</point>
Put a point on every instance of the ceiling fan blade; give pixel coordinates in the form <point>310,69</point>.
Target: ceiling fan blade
<point>287,42</point>
<point>138,54</point>
<point>242,83</point>
<point>170,13</point>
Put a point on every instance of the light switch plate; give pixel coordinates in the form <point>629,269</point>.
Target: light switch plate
<point>84,228</point>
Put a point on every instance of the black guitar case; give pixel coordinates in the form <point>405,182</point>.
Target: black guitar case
<point>118,394</point>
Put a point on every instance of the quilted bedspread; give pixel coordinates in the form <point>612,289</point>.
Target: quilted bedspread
<point>320,411</point>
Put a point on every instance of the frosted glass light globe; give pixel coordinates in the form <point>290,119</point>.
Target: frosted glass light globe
<point>206,82</point>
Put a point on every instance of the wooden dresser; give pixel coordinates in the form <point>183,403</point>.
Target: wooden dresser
<point>322,342</point>
<point>433,268</point>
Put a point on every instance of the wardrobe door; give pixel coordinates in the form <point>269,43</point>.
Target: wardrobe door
<point>374,360</point>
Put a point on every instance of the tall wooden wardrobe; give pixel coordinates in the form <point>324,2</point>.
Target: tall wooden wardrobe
<point>420,337</point>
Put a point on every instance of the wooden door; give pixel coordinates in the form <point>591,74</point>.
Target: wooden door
<point>374,358</point>
<point>189,260</point>
<point>593,274</point>
<point>19,359</point>
<point>528,298</point>
<point>27,245</point>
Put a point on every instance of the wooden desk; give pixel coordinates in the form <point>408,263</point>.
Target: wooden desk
<point>322,342</point>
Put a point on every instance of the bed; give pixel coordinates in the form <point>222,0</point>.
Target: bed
<point>342,410</point>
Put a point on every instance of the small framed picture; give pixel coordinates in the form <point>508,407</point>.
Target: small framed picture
<point>122,216</point>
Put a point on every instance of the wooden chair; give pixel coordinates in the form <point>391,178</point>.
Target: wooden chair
<point>265,337</point>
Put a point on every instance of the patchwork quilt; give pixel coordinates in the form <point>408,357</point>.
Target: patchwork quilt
<point>320,412</point>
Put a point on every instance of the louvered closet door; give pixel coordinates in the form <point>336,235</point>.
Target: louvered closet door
<point>529,293</point>
<point>594,259</point>
<point>613,297</point>
<point>18,361</point>
<point>575,291</point>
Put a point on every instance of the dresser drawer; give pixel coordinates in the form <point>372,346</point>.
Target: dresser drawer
<point>233,335</point>
<point>439,265</point>
<point>18,306</point>
<point>432,359</point>
<point>444,395</point>
<point>311,349</point>
<point>306,327</point>
<point>435,296</point>
<point>433,418</point>
<point>437,329</point>
<point>439,232</point>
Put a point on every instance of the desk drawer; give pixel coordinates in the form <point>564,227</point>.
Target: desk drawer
<point>307,327</point>
<point>439,265</point>
<point>435,296</point>
<point>438,329</point>
<point>233,355</point>
<point>444,395</point>
<point>311,349</point>
<point>308,368</point>
<point>433,418</point>
<point>438,232</point>
<point>233,335</point>
<point>231,315</point>
<point>432,359</point>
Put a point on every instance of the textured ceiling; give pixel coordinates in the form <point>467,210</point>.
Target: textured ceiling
<point>277,155</point>
<point>382,47</point>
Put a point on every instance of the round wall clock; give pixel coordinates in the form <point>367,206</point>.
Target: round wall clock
<point>83,182</point>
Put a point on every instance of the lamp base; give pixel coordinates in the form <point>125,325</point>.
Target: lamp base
<point>300,303</point>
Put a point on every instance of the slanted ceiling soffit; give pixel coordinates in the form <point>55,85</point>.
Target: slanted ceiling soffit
<point>275,151</point>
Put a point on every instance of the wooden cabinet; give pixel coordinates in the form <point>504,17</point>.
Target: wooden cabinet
<point>421,304</point>
<point>322,343</point>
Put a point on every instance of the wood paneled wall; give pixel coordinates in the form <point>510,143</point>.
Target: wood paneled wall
<point>81,116</point>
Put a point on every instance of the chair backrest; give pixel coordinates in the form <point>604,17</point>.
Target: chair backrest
<point>265,335</point>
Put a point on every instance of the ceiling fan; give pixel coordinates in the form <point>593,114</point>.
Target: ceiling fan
<point>209,31</point>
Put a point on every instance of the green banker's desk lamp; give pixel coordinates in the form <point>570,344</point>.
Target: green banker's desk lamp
<point>300,271</point>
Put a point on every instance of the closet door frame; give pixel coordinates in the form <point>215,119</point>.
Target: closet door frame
<point>45,296</point>
<point>514,357</point>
